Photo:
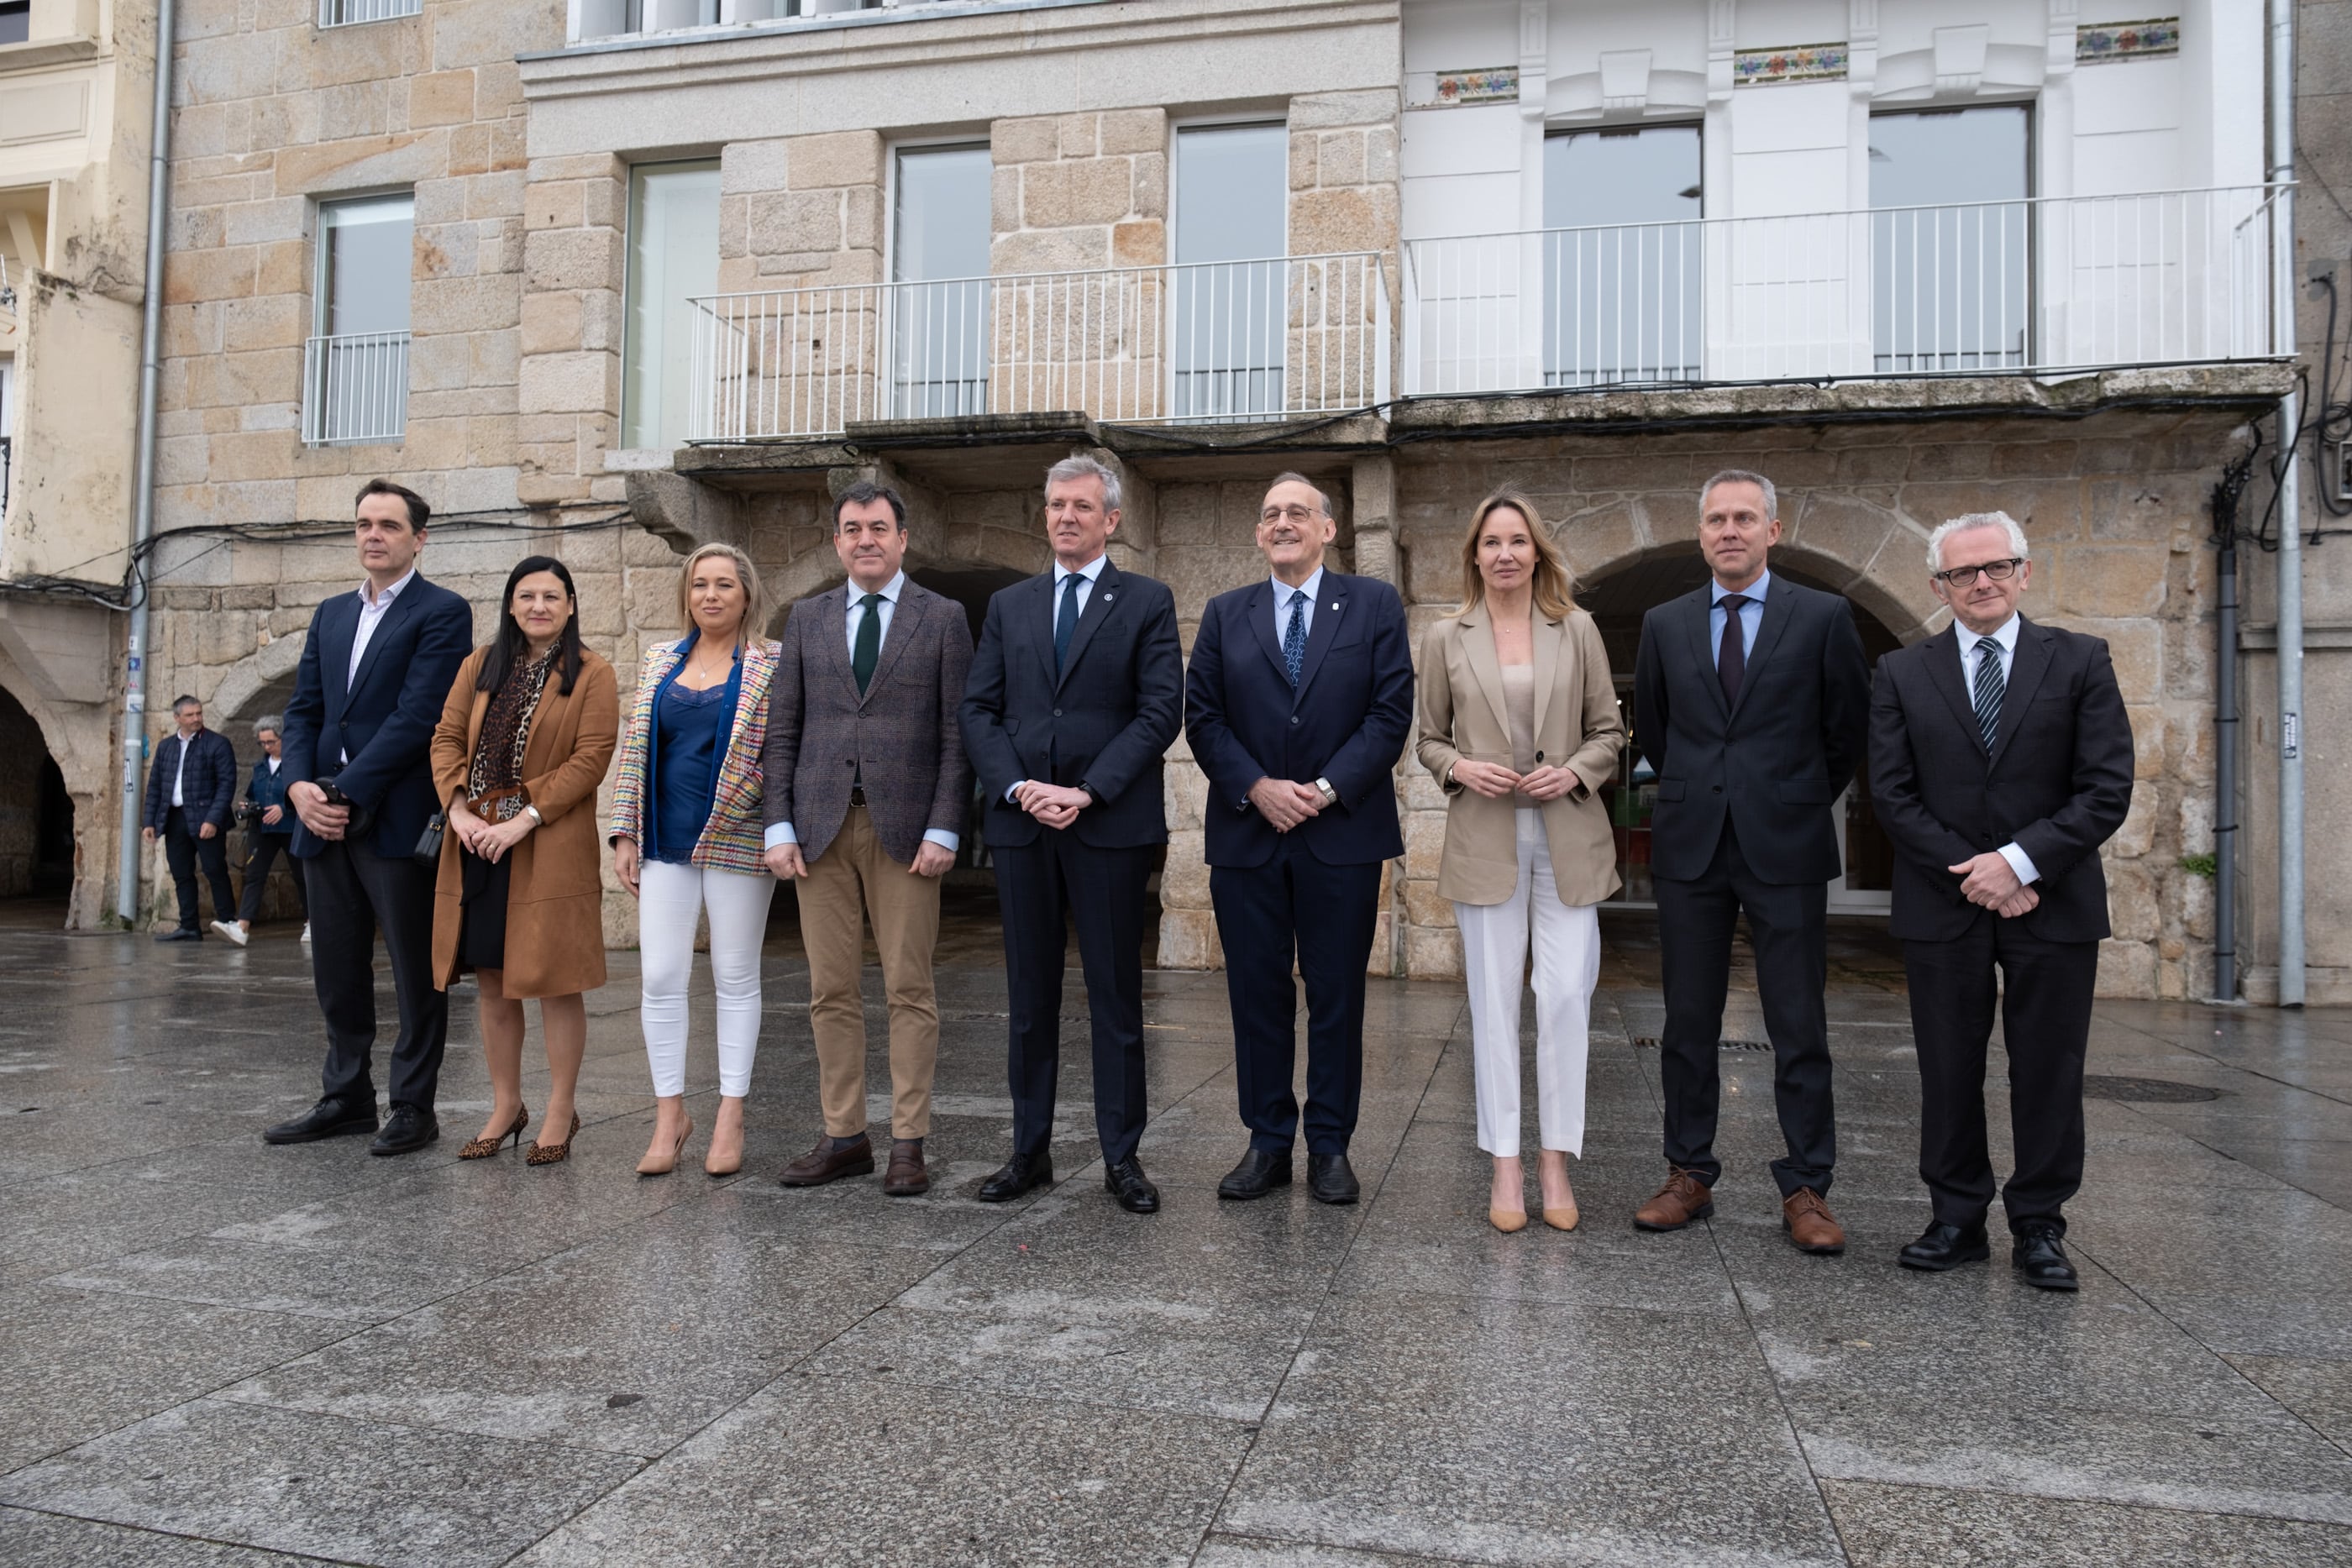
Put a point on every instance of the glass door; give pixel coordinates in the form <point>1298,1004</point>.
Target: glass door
<point>938,271</point>
<point>1620,256</point>
<point>1230,307</point>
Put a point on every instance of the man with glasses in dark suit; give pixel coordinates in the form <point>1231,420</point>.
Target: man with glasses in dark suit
<point>2000,758</point>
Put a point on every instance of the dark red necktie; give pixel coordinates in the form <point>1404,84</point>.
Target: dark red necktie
<point>1731,657</point>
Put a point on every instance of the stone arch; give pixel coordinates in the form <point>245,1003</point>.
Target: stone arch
<point>259,681</point>
<point>84,754</point>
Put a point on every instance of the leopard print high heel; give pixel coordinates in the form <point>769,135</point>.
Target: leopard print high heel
<point>483,1148</point>
<point>552,1154</point>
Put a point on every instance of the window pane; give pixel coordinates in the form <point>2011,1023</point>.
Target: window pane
<point>673,257</point>
<point>938,260</point>
<point>367,248</point>
<point>1232,195</point>
<point>1948,239</point>
<point>1620,256</point>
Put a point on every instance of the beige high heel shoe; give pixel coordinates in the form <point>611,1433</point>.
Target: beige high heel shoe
<point>1507,1220</point>
<point>653,1165</point>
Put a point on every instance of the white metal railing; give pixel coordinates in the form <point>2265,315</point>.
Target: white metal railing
<point>2071,283</point>
<point>355,388</point>
<point>345,12</point>
<point>1264,339</point>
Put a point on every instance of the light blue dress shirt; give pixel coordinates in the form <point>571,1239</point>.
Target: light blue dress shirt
<point>1282,593</point>
<point>2003,637</point>
<point>1751,614</point>
<point>782,833</point>
<point>1088,576</point>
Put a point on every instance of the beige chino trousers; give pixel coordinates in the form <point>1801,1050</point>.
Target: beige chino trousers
<point>851,882</point>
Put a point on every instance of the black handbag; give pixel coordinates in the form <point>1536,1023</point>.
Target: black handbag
<point>428,843</point>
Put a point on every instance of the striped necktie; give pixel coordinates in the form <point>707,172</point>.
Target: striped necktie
<point>1989,687</point>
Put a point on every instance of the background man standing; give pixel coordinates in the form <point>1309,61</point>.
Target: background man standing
<point>2001,756</point>
<point>376,667</point>
<point>189,787</point>
<point>1750,697</point>
<point>867,791</point>
<point>1076,688</point>
<point>1297,702</point>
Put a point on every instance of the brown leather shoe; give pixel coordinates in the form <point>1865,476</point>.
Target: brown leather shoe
<point>1809,1223</point>
<point>907,1177</point>
<point>825,1162</point>
<point>1682,1199</point>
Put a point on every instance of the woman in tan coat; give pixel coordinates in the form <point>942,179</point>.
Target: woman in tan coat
<point>523,742</point>
<point>1519,724</point>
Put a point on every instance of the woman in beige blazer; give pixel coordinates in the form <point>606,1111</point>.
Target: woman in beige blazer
<point>1519,726</point>
<point>524,739</point>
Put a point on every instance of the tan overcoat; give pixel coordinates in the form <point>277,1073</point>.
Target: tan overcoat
<point>1576,726</point>
<point>555,895</point>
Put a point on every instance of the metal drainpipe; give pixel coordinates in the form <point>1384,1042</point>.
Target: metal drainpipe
<point>142,527</point>
<point>2225,776</point>
<point>2290,504</point>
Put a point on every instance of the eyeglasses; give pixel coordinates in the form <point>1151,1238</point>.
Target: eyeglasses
<point>1966,576</point>
<point>1295,515</point>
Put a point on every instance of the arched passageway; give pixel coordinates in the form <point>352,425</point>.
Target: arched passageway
<point>36,814</point>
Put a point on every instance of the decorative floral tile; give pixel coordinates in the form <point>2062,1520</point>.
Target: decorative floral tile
<point>2128,40</point>
<point>1803,62</point>
<point>1500,85</point>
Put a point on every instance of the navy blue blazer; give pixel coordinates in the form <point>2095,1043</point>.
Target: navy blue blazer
<point>384,718</point>
<point>207,787</point>
<point>1106,722</point>
<point>1346,721</point>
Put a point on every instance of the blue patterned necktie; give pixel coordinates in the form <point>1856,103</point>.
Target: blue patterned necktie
<point>1989,687</point>
<point>1065,621</point>
<point>1294,636</point>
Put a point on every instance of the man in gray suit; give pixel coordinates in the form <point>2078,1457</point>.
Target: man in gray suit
<point>867,792</point>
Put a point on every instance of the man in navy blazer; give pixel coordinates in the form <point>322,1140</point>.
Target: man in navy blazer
<point>189,788</point>
<point>376,667</point>
<point>1077,689</point>
<point>1298,703</point>
<point>2000,755</point>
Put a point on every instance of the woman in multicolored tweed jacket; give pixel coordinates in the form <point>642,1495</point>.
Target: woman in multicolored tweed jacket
<point>686,836</point>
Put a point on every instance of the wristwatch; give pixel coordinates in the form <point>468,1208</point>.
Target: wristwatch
<point>1330,796</point>
<point>532,812</point>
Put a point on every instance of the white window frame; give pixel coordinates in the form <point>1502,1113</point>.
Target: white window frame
<point>630,282</point>
<point>378,360</point>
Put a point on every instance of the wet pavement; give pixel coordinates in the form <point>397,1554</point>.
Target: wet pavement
<point>216,1353</point>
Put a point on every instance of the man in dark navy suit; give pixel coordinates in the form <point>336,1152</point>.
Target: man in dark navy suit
<point>1750,698</point>
<point>377,668</point>
<point>1297,703</point>
<point>1077,689</point>
<point>2001,756</point>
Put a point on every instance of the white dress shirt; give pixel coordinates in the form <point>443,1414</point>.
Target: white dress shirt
<point>371,613</point>
<point>180,772</point>
<point>1751,614</point>
<point>782,833</point>
<point>1282,593</point>
<point>2003,637</point>
<point>1088,576</point>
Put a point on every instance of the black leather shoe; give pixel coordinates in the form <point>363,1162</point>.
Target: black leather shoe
<point>1942,1246</point>
<point>1330,1179</point>
<point>1019,1173</point>
<point>331,1117</point>
<point>180,934</point>
<point>1259,1173</point>
<point>405,1131</point>
<point>1126,1183</point>
<point>2041,1256</point>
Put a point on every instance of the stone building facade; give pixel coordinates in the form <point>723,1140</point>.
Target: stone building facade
<point>519,141</point>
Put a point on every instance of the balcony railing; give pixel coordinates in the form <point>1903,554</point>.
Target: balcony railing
<point>2056,283</point>
<point>355,390</point>
<point>1245,340</point>
<point>350,13</point>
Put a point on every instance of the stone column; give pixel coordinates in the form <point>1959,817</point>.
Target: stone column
<point>574,262</point>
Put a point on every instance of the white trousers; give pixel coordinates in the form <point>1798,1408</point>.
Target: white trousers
<point>669,897</point>
<point>1568,966</point>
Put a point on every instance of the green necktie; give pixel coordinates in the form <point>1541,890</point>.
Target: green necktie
<point>868,651</point>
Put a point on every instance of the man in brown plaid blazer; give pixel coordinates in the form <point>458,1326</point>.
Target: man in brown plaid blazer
<point>867,792</point>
